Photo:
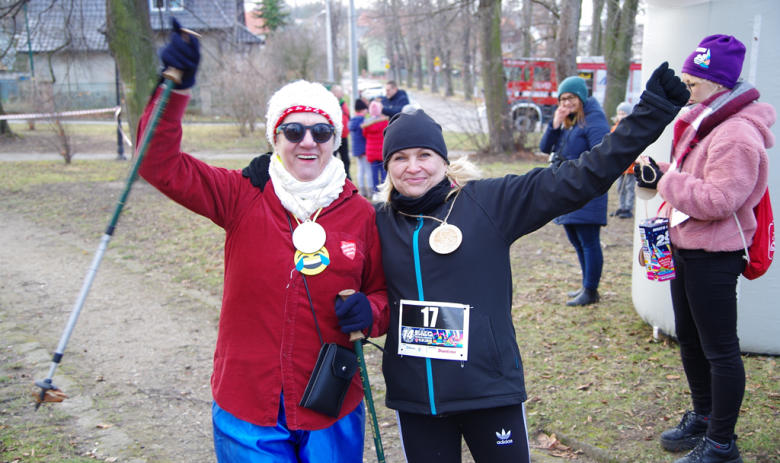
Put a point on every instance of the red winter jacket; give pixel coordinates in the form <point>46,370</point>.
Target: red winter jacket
<point>375,138</point>
<point>267,340</point>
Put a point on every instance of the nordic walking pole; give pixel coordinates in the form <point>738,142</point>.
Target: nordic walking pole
<point>356,337</point>
<point>171,76</point>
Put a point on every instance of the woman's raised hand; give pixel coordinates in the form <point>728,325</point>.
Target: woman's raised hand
<point>559,116</point>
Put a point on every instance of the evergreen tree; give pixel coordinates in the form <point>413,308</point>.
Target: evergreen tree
<point>273,13</point>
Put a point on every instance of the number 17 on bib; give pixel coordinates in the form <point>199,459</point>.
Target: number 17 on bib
<point>437,330</point>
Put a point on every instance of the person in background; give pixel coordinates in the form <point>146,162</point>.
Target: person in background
<point>394,100</point>
<point>343,148</point>
<point>446,236</point>
<point>267,344</point>
<point>718,174</point>
<point>625,184</point>
<point>577,126</point>
<point>359,149</point>
<point>373,130</point>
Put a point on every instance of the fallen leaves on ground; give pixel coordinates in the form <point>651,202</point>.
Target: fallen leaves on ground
<point>52,395</point>
<point>554,446</point>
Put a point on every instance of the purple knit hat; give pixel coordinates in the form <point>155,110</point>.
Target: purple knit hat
<point>718,58</point>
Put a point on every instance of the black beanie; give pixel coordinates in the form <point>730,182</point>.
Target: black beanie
<point>360,105</point>
<point>413,130</point>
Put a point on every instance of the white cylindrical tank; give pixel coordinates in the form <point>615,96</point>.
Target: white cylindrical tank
<point>672,30</point>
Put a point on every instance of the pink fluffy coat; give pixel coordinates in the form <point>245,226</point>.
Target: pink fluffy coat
<point>726,172</point>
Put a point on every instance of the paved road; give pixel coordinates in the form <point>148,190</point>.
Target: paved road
<point>452,114</point>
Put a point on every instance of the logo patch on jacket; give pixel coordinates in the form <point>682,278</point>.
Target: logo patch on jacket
<point>349,248</point>
<point>504,437</point>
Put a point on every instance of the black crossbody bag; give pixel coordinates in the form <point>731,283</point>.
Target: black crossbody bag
<point>333,372</point>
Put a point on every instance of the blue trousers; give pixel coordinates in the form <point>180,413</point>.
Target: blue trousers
<point>378,174</point>
<point>236,440</point>
<point>586,239</point>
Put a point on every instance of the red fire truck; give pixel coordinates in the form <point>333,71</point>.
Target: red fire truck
<point>532,89</point>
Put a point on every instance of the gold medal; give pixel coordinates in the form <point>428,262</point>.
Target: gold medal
<point>309,237</point>
<point>445,238</point>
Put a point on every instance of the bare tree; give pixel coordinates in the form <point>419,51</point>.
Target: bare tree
<point>129,36</point>
<point>499,120</point>
<point>528,19</point>
<point>245,89</point>
<point>566,40</point>
<point>596,38</point>
<point>466,15</point>
<point>297,52</point>
<point>618,38</point>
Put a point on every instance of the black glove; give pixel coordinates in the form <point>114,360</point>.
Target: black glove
<point>182,54</point>
<point>355,313</point>
<point>651,173</point>
<point>668,86</point>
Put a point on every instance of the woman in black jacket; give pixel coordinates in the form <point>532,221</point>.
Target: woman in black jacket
<point>452,364</point>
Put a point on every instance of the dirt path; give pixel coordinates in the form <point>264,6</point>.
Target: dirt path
<point>139,358</point>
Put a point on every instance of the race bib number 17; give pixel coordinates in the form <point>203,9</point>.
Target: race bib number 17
<point>438,330</point>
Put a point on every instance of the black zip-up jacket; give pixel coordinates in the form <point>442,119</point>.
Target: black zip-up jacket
<point>492,214</point>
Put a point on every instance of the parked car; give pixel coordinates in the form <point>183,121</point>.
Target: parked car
<point>371,90</point>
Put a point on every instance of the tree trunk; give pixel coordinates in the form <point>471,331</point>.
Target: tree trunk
<point>618,37</point>
<point>528,21</point>
<point>129,36</point>
<point>499,120</point>
<point>596,36</point>
<point>447,70</point>
<point>467,77</point>
<point>418,59</point>
<point>566,40</point>
<point>432,71</point>
<point>5,129</point>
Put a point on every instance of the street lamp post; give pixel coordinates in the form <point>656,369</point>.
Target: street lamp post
<point>329,40</point>
<point>353,55</point>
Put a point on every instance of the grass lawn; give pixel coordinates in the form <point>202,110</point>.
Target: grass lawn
<point>594,374</point>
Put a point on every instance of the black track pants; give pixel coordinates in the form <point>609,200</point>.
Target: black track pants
<point>704,297</point>
<point>494,435</point>
<point>343,153</point>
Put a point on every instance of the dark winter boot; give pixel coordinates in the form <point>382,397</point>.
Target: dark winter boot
<point>574,293</point>
<point>587,296</point>
<point>687,434</point>
<point>710,452</point>
<point>617,212</point>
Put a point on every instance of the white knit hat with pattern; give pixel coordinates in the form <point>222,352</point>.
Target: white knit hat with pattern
<point>299,97</point>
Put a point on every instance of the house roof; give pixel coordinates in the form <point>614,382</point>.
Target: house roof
<point>73,24</point>
<point>80,25</point>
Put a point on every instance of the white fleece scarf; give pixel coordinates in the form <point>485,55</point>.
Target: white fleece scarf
<point>304,198</point>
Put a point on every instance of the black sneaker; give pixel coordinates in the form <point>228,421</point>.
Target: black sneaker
<point>626,215</point>
<point>617,212</point>
<point>687,434</point>
<point>710,452</point>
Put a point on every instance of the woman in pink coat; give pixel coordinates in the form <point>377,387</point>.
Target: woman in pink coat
<point>719,169</point>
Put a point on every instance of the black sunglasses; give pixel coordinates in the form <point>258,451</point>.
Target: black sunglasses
<point>295,131</point>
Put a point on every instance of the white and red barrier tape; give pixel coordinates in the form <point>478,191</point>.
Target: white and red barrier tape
<point>85,112</point>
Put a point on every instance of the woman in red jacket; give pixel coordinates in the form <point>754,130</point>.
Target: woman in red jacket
<point>373,130</point>
<point>296,233</point>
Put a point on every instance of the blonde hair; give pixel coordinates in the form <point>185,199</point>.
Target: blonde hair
<point>460,172</point>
